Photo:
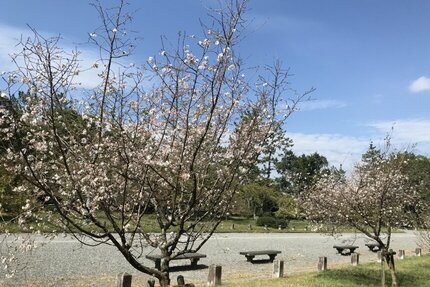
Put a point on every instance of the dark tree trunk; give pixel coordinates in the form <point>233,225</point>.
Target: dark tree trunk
<point>382,271</point>
<point>389,257</point>
<point>164,279</point>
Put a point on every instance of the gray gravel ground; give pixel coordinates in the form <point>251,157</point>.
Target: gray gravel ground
<point>64,262</point>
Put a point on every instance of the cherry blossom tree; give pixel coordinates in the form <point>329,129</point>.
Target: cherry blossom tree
<point>176,135</point>
<point>374,199</point>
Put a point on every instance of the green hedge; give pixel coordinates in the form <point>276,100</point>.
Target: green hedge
<point>271,221</point>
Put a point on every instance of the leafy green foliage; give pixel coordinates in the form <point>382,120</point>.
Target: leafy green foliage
<point>275,147</point>
<point>271,221</point>
<point>257,198</point>
<point>287,207</point>
<point>11,201</point>
<point>418,172</point>
<point>299,172</point>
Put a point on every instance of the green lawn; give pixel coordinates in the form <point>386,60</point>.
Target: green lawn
<point>411,272</point>
<point>237,225</point>
<point>233,224</point>
<point>241,224</point>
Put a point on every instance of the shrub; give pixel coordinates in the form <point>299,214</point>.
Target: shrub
<point>271,221</point>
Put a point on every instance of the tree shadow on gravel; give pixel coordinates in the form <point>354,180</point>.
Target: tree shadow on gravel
<point>187,268</point>
<point>261,261</point>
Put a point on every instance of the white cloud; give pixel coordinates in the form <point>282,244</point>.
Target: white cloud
<point>407,132</point>
<point>338,149</point>
<point>410,134</point>
<point>321,105</point>
<point>10,36</point>
<point>419,85</point>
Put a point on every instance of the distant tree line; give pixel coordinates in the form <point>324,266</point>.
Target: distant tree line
<point>275,182</point>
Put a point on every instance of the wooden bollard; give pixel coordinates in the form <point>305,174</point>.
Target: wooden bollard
<point>232,226</point>
<point>124,280</point>
<point>379,256</point>
<point>181,281</point>
<point>401,254</point>
<point>322,263</point>
<point>150,283</point>
<point>249,227</point>
<point>355,259</point>
<point>214,277</point>
<point>418,251</point>
<point>390,258</point>
<point>278,268</point>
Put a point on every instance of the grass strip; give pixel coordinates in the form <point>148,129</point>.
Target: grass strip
<point>412,271</point>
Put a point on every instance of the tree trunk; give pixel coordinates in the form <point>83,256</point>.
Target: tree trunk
<point>164,279</point>
<point>393,278</point>
<point>390,263</point>
<point>382,270</point>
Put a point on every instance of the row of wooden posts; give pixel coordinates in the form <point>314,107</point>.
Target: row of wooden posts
<point>215,271</point>
<point>214,278</point>
<point>266,227</point>
<point>355,258</point>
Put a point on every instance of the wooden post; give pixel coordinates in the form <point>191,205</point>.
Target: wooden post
<point>278,268</point>
<point>390,259</point>
<point>379,256</point>
<point>215,272</point>
<point>123,280</point>
<point>150,283</point>
<point>355,258</point>
<point>181,281</point>
<point>232,226</point>
<point>401,254</point>
<point>322,263</point>
<point>418,251</point>
<point>382,268</point>
<point>249,227</point>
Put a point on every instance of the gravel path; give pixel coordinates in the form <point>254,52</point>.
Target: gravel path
<point>64,262</point>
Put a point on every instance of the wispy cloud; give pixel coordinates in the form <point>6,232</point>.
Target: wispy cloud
<point>410,134</point>
<point>407,132</point>
<point>10,36</point>
<point>420,85</point>
<point>284,23</point>
<point>321,105</point>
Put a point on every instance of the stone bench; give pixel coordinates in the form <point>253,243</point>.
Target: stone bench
<point>345,250</point>
<point>374,247</point>
<point>251,254</point>
<point>193,257</point>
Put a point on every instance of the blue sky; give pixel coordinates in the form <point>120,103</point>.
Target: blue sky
<point>368,60</point>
